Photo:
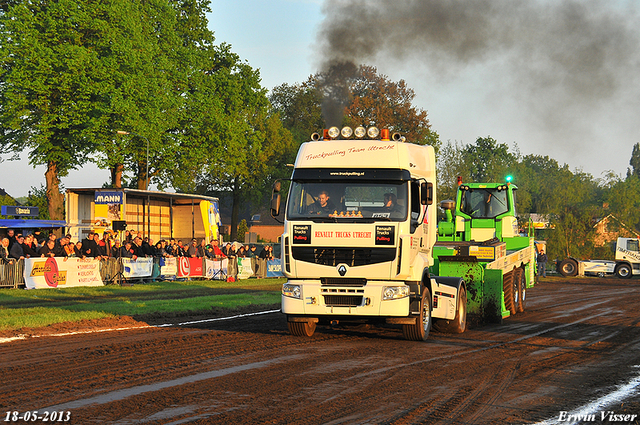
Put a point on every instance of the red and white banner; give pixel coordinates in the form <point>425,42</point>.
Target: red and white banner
<point>190,267</point>
<point>61,272</point>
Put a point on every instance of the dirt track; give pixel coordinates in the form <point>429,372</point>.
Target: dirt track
<point>578,341</point>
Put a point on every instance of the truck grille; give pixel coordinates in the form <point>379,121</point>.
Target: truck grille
<point>341,281</point>
<point>343,300</point>
<point>349,256</point>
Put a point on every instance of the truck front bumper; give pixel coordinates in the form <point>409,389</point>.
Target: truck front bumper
<point>310,298</point>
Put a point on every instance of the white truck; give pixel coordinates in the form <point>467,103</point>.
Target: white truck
<point>625,266</point>
<point>359,230</point>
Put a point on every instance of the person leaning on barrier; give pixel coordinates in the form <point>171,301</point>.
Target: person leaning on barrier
<point>136,246</point>
<point>70,249</point>
<point>5,257</point>
<point>78,249</point>
<point>192,250</point>
<point>202,248</point>
<point>49,249</point>
<point>29,247</point>
<point>16,249</point>
<point>88,246</point>
<point>215,251</point>
<point>127,250</point>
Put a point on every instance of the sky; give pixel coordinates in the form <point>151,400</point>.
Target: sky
<point>557,78</point>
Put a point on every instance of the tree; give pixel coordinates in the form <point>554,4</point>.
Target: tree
<point>635,160</point>
<point>377,101</point>
<point>243,228</point>
<point>48,86</point>
<point>299,107</point>
<point>242,143</point>
<point>358,96</point>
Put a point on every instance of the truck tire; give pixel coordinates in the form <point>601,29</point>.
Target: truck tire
<point>459,323</point>
<point>568,267</point>
<point>522,289</point>
<point>624,271</point>
<point>419,331</point>
<point>302,328</point>
<point>510,289</point>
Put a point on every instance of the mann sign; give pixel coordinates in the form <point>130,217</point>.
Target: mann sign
<point>110,197</point>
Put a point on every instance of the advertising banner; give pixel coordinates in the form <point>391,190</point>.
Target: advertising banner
<point>244,268</point>
<point>141,267</point>
<point>216,269</point>
<point>190,267</point>
<point>168,266</point>
<point>61,272</point>
<point>274,268</point>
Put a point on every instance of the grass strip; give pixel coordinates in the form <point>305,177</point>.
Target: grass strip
<point>42,307</point>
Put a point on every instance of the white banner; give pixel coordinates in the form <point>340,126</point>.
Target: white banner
<point>140,267</point>
<point>244,268</point>
<point>168,266</point>
<point>61,272</point>
<point>216,269</point>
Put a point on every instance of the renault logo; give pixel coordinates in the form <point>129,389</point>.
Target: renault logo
<point>342,269</point>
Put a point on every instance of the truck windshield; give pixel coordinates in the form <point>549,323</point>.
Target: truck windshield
<point>484,203</point>
<point>353,200</point>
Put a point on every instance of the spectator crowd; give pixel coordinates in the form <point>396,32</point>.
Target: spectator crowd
<point>16,246</point>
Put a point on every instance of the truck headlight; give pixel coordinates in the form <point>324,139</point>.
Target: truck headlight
<point>293,291</point>
<point>394,292</point>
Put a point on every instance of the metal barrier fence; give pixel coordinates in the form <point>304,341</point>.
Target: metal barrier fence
<point>12,274</point>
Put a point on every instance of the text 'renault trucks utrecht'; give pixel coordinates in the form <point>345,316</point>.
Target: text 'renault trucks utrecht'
<point>360,228</point>
<point>625,266</point>
<point>481,243</point>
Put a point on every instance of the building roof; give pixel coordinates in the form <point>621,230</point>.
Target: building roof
<point>177,198</point>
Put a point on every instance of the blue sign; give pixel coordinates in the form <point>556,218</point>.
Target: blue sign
<point>108,197</point>
<point>20,211</point>
<point>274,268</point>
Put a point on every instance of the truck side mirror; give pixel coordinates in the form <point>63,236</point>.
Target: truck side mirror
<point>426,193</point>
<point>275,204</point>
<point>276,199</point>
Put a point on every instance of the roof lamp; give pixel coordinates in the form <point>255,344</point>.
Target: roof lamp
<point>360,132</point>
<point>334,132</point>
<point>346,132</point>
<point>384,134</point>
<point>373,132</point>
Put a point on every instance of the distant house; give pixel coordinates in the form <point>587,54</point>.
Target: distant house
<point>265,227</point>
<point>610,228</point>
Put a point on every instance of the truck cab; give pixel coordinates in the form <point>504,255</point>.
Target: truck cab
<point>360,225</point>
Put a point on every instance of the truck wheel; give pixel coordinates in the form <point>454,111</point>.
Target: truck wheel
<point>568,267</point>
<point>459,323</point>
<point>522,289</point>
<point>302,328</point>
<point>624,271</point>
<point>420,330</point>
<point>510,288</point>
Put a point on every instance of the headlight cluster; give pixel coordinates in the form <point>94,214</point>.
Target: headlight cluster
<point>359,132</point>
<point>293,291</point>
<point>394,292</point>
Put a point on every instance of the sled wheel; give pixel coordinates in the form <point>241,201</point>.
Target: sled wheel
<point>459,323</point>
<point>522,290</point>
<point>419,331</point>
<point>302,328</point>
<point>509,286</point>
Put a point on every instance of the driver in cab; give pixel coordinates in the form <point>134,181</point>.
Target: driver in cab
<point>323,205</point>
